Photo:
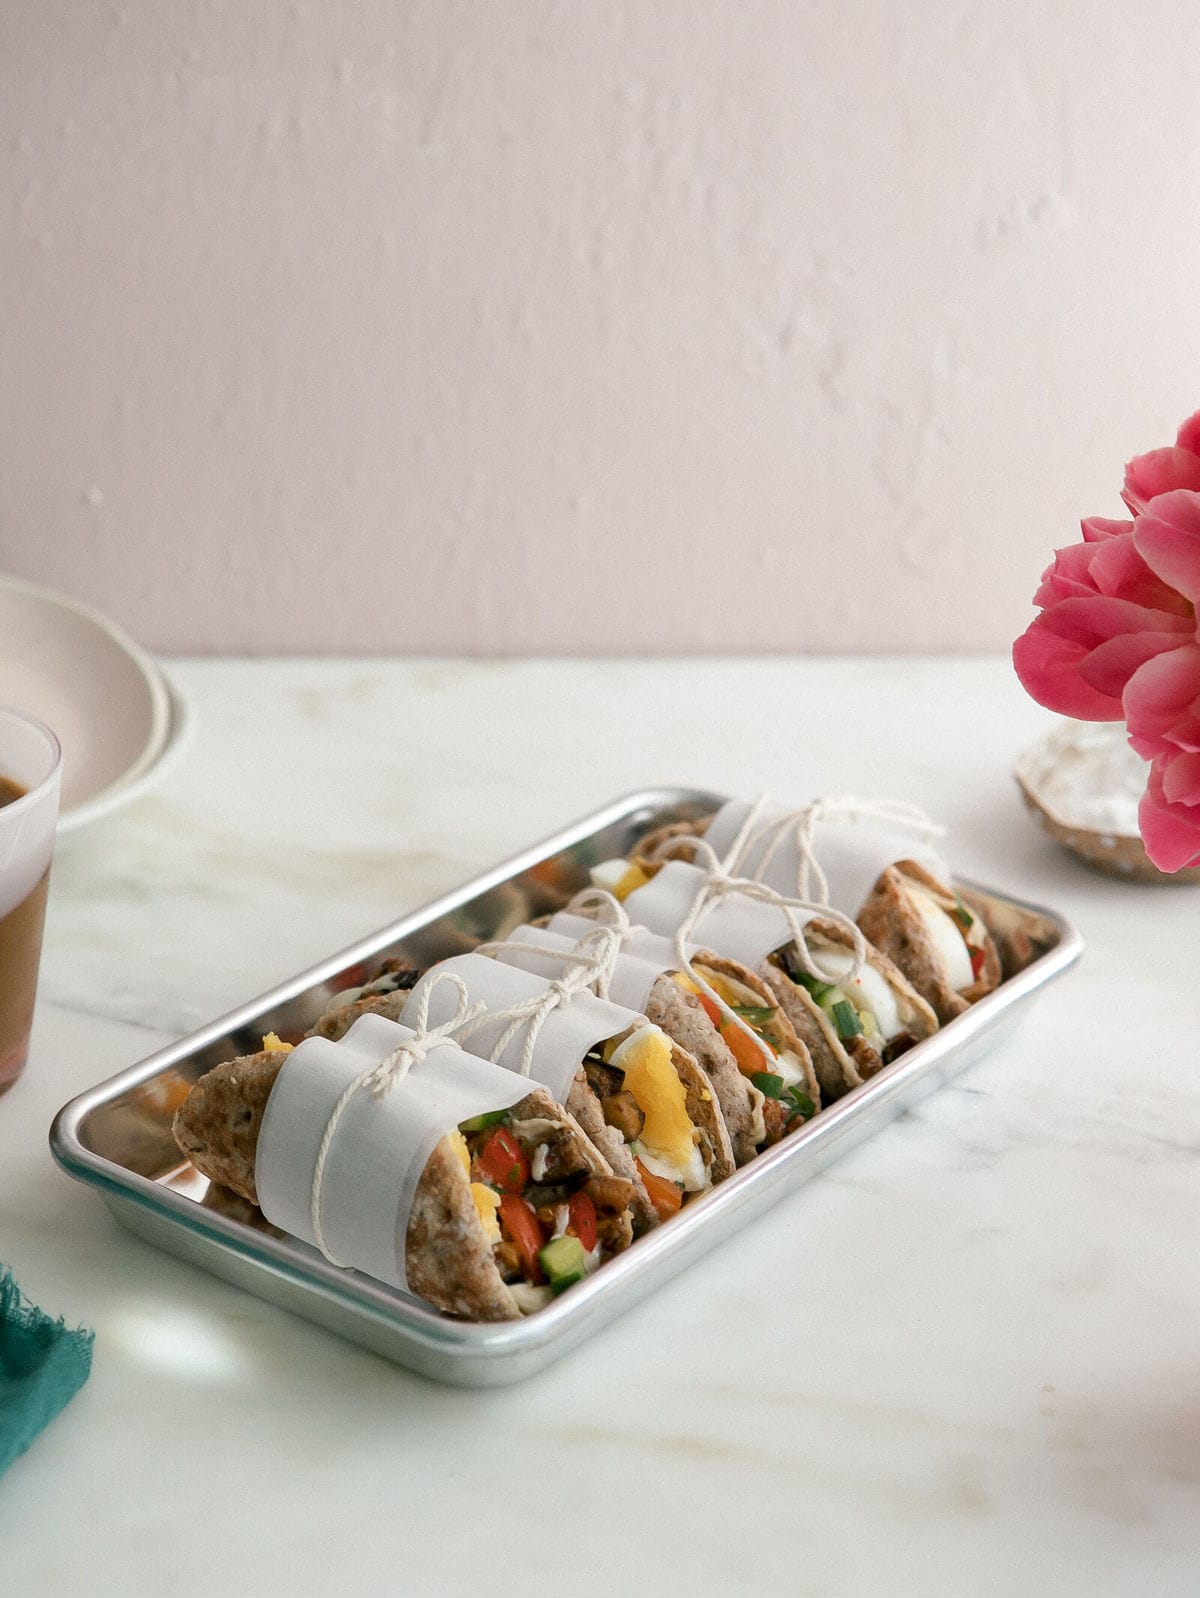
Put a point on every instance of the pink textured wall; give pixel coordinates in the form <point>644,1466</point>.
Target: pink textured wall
<point>705,325</point>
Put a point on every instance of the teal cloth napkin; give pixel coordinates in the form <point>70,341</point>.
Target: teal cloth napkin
<point>42,1366</point>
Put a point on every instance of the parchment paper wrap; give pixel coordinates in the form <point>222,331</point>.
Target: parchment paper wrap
<point>380,1145</point>
<point>566,1034</point>
<point>644,955</point>
<point>739,928</point>
<point>851,853</point>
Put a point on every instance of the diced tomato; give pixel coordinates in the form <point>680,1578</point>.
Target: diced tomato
<point>977,958</point>
<point>666,1197</point>
<point>522,1227</point>
<point>582,1220</point>
<point>712,1010</point>
<point>750,1056</point>
<point>502,1162</point>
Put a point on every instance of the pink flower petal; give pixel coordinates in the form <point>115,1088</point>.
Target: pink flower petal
<point>1094,618</point>
<point>1160,700</point>
<point>1097,528</point>
<point>1119,568</point>
<point>1180,737</point>
<point>1181,779</point>
<point>1189,434</point>
<point>1184,732</point>
<point>1069,574</point>
<point>1167,536</point>
<point>1171,830</point>
<point>1048,668</point>
<point>1109,666</point>
<point>1158,473</point>
<point>1064,575</point>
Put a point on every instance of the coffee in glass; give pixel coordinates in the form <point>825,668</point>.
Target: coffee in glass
<point>30,771</point>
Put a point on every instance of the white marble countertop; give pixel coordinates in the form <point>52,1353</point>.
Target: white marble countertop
<point>961,1361</point>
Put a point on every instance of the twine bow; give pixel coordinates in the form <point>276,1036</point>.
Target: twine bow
<point>753,851</point>
<point>592,962</point>
<point>722,880</point>
<point>719,881</point>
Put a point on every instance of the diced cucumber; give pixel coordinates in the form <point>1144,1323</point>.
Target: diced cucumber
<point>563,1260</point>
<point>819,990</point>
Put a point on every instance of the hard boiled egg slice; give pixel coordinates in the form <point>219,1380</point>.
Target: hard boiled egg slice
<point>868,991</point>
<point>667,1145</point>
<point>946,937</point>
<point>618,877</point>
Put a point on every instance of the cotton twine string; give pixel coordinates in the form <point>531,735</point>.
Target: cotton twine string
<point>380,1078</point>
<point>754,850</point>
<point>720,880</point>
<point>591,960</point>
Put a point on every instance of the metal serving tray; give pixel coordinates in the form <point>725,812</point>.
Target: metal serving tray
<point>117,1137</point>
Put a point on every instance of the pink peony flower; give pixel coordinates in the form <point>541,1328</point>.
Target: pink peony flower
<point>1117,638</point>
<point>1104,613</point>
<point>1164,469</point>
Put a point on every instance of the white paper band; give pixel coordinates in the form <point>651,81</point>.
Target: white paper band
<point>632,974</point>
<point>736,926</point>
<point>575,1024</point>
<point>380,1146</point>
<point>850,852</point>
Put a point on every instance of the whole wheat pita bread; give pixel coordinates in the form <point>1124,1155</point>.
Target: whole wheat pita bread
<point>887,917</point>
<point>704,1112</point>
<point>894,924</point>
<point>835,1070</point>
<point>651,850</point>
<point>682,1017</point>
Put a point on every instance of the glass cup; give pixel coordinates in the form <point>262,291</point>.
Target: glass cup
<point>30,776</point>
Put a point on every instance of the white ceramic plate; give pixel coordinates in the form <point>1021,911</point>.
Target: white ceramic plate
<point>115,715</point>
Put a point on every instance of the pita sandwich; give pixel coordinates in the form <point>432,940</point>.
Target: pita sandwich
<point>853,1025</point>
<point>495,1198</point>
<point>654,1108</point>
<point>944,948</point>
<point>743,1048</point>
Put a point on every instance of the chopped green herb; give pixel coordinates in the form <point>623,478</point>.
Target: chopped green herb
<point>845,1019</point>
<point>768,1084</point>
<point>961,914</point>
<point>800,1102</point>
<point>754,1014</point>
